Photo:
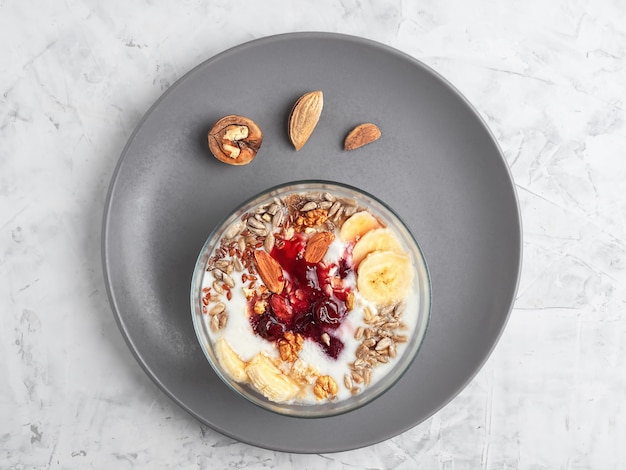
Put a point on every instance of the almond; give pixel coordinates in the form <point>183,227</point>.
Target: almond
<point>361,135</point>
<point>317,246</point>
<point>304,116</point>
<point>270,271</point>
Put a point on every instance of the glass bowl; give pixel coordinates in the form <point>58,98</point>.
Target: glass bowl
<point>303,313</point>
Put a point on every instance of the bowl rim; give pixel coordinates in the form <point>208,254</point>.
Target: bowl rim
<point>371,393</point>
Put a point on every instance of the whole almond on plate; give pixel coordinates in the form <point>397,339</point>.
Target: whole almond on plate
<point>317,246</point>
<point>270,271</point>
<point>304,117</point>
<point>361,135</point>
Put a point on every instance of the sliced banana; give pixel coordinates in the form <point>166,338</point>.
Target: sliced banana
<point>230,361</point>
<point>379,239</point>
<point>385,277</point>
<point>357,225</point>
<point>269,380</point>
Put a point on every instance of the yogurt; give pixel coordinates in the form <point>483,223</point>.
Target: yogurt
<point>329,307</point>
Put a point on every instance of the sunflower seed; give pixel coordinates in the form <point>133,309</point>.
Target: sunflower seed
<point>255,223</point>
<point>222,264</point>
<point>358,334</point>
<point>273,209</point>
<point>234,230</point>
<point>400,338</point>
<point>383,358</point>
<point>359,364</point>
<point>338,214</point>
<point>386,310</point>
<point>259,231</point>
<point>399,310</point>
<point>217,309</point>
<point>372,361</point>
<point>314,196</point>
<point>269,242</point>
<point>238,264</point>
<point>347,381</point>
<point>278,218</point>
<point>228,280</point>
<point>361,351</point>
<point>367,376</point>
<point>261,208</point>
<point>217,287</point>
<point>369,342</point>
<point>348,211</point>
<point>223,319</point>
<point>309,206</point>
<point>368,314</point>
<point>334,208</point>
<point>215,324</point>
<point>383,344</point>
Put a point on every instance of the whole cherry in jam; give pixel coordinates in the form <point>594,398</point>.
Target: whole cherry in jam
<point>267,326</point>
<point>327,313</point>
<point>281,307</point>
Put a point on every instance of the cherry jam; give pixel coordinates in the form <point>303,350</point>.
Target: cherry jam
<point>313,302</point>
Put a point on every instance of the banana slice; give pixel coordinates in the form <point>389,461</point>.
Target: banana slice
<point>269,380</point>
<point>385,277</point>
<point>379,239</point>
<point>357,225</point>
<point>230,361</point>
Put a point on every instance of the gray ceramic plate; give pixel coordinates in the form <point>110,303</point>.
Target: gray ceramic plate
<point>436,164</point>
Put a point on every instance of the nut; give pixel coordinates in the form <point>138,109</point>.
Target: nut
<point>350,301</point>
<point>325,387</point>
<point>317,246</point>
<point>235,140</point>
<point>260,306</point>
<point>304,117</point>
<point>270,271</point>
<point>290,345</point>
<point>361,135</point>
<point>312,218</point>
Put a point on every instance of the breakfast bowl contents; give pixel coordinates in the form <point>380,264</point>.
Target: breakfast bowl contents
<point>311,299</point>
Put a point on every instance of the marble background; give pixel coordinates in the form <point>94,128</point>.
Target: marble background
<point>549,78</point>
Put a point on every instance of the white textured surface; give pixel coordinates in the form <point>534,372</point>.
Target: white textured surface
<point>548,77</point>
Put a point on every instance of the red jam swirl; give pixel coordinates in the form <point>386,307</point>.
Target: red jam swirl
<point>313,302</point>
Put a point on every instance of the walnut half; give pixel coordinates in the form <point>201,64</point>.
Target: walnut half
<point>235,140</point>
<point>325,387</point>
<point>290,345</point>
